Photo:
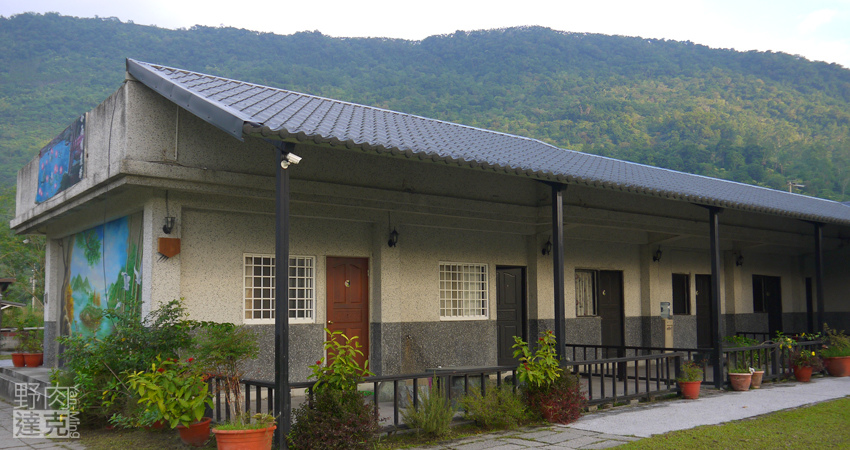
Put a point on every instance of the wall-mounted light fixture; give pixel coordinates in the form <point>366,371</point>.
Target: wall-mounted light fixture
<point>168,225</point>
<point>290,159</point>
<point>547,247</point>
<point>657,255</point>
<point>393,238</point>
<point>739,260</point>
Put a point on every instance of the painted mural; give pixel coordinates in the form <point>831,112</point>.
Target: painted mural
<point>102,271</point>
<point>60,163</point>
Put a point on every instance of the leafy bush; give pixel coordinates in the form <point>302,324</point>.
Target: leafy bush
<point>221,350</point>
<point>500,408</point>
<point>433,416</point>
<point>806,358</point>
<point>837,343</point>
<point>561,402</point>
<point>97,365</point>
<point>342,372</point>
<point>690,371</point>
<point>740,341</point>
<point>175,389</point>
<point>541,368</point>
<point>338,419</point>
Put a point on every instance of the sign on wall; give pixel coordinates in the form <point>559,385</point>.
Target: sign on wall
<point>60,163</point>
<point>102,270</point>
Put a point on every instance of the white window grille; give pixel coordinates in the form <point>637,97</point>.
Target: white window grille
<point>260,289</point>
<point>463,291</point>
<point>585,292</point>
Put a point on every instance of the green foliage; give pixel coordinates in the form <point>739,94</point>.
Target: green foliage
<point>500,408</point>
<point>541,368</point>
<point>257,421</point>
<point>836,343</point>
<point>806,358</point>
<point>21,258</point>
<point>740,341</point>
<point>342,372</point>
<point>337,419</point>
<point>690,371</point>
<point>433,416</point>
<point>221,350</point>
<point>739,366</point>
<point>561,402</point>
<point>97,365</point>
<point>756,117</point>
<point>175,389</point>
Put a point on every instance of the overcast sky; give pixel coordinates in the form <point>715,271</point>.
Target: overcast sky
<point>816,29</point>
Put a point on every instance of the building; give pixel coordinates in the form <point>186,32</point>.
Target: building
<point>433,242</point>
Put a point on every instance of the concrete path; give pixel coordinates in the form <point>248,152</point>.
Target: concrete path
<point>617,426</point>
<point>8,442</point>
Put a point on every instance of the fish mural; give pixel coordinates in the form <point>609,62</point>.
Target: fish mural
<point>60,163</point>
<point>103,271</point>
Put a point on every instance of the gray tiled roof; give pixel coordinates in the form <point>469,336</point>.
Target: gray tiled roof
<point>243,108</point>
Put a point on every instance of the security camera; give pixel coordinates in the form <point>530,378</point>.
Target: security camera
<point>293,158</point>
<point>290,158</point>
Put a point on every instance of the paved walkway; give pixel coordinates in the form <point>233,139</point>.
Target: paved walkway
<point>618,426</point>
<point>603,429</point>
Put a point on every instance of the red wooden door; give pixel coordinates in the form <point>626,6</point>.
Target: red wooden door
<point>348,299</point>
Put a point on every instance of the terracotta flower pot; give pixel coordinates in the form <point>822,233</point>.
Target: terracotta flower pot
<point>803,374</point>
<point>258,439</point>
<point>33,359</point>
<point>196,434</point>
<point>18,359</point>
<point>740,381</point>
<point>837,366</point>
<point>690,389</point>
<point>757,377</point>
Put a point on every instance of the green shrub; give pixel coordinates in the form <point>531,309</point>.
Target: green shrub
<point>338,419</point>
<point>561,402</point>
<point>837,343</point>
<point>342,372</point>
<point>690,371</point>
<point>541,368</point>
<point>97,364</point>
<point>433,415</point>
<point>500,408</point>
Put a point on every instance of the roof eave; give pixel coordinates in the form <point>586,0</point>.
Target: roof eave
<point>210,112</point>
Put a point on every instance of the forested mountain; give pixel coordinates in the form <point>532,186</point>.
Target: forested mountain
<point>756,117</point>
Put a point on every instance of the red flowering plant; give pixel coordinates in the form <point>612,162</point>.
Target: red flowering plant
<point>548,391</point>
<point>174,388</point>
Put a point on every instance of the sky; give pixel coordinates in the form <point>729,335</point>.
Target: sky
<point>816,29</point>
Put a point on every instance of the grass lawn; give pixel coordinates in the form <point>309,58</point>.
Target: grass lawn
<point>825,425</point>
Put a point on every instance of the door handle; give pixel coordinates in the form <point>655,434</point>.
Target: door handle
<point>330,323</point>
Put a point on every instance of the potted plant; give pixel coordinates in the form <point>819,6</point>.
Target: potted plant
<point>222,351</point>
<point>18,355</point>
<point>178,391</point>
<point>32,346</point>
<point>755,357</point>
<point>805,361</point>
<point>690,379</point>
<point>740,376</point>
<point>836,352</point>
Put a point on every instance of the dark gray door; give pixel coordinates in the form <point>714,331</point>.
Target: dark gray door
<point>703,298</point>
<point>510,309</point>
<point>773,303</point>
<point>610,308</point>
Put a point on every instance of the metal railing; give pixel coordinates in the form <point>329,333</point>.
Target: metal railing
<point>614,380</point>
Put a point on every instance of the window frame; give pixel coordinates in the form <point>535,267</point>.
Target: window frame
<point>484,291</point>
<point>309,285</point>
<point>593,292</point>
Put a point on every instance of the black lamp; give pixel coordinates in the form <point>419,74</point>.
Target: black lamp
<point>393,238</point>
<point>547,247</point>
<point>657,255</point>
<point>169,225</point>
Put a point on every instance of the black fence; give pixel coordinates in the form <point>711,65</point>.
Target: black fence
<point>614,380</point>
